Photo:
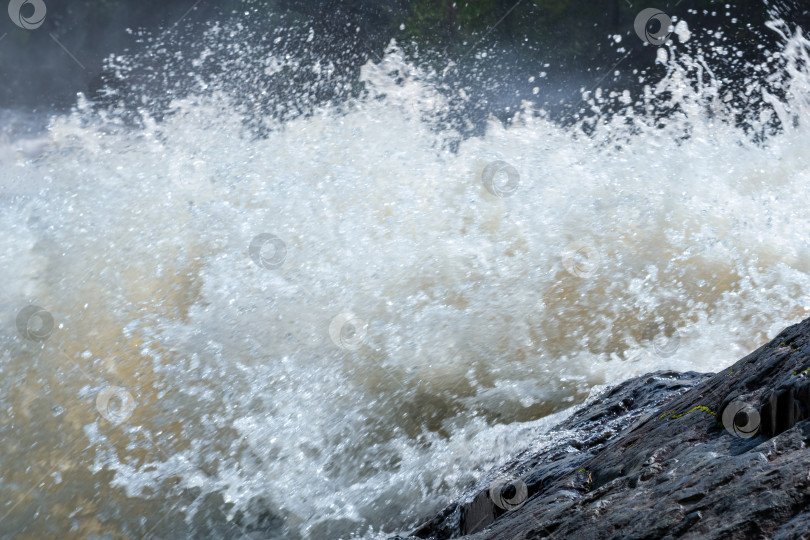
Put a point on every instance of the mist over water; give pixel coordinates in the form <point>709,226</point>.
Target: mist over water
<point>410,328</point>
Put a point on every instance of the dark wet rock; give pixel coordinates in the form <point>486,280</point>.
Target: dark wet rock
<point>665,455</point>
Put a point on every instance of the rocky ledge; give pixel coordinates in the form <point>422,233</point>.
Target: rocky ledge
<point>665,455</point>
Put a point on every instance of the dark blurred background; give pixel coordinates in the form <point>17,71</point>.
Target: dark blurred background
<point>559,46</point>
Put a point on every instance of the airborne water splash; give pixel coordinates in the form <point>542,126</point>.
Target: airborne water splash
<point>411,329</point>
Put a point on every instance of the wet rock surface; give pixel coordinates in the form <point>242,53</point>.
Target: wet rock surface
<point>664,455</point>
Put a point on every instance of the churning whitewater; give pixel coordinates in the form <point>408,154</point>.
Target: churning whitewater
<point>334,328</point>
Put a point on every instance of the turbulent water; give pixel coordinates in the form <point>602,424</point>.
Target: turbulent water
<point>331,330</point>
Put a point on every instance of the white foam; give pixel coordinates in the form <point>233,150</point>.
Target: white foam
<point>138,243</point>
